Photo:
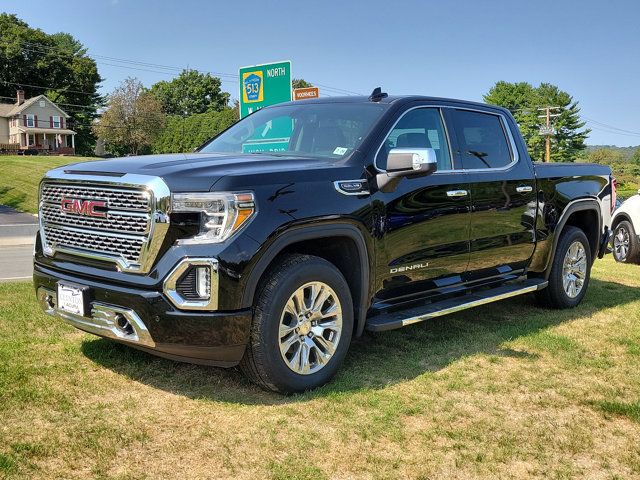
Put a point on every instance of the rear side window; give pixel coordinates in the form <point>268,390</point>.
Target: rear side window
<point>419,128</point>
<point>482,140</point>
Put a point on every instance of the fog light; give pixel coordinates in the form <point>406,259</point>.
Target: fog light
<point>193,284</point>
<point>203,282</point>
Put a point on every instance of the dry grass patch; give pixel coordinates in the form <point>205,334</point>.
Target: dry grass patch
<point>504,391</point>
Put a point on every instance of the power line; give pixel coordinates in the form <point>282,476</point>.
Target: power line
<point>6,82</point>
<point>611,126</point>
<point>135,65</point>
<point>614,132</point>
<point>86,107</point>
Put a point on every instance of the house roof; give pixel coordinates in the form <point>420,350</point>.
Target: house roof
<point>14,109</point>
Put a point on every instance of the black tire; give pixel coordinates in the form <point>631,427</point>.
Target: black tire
<point>624,231</point>
<point>262,362</point>
<point>555,296</point>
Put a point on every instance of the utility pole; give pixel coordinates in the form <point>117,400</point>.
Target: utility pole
<point>548,130</point>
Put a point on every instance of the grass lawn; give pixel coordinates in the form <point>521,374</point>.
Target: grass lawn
<point>21,176</point>
<point>508,390</point>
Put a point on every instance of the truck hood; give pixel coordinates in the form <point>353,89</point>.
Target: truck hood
<point>197,171</point>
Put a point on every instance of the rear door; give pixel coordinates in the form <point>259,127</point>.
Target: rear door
<point>503,196</point>
<point>425,237</point>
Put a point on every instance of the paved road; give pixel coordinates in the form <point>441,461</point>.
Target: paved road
<point>16,262</point>
<point>17,234</point>
<point>16,228</point>
<point>9,216</point>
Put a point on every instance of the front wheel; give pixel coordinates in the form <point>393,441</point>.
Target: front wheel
<point>302,324</point>
<point>625,243</point>
<point>570,271</point>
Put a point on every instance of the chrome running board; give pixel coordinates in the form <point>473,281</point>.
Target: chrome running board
<point>402,318</point>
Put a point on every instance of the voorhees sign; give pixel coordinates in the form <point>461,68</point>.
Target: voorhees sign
<point>305,93</point>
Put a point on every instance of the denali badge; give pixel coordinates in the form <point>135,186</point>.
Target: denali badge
<point>410,267</point>
<point>83,207</point>
<point>352,187</point>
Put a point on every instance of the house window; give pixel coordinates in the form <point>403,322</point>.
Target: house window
<point>31,120</point>
<point>31,138</point>
<point>56,122</point>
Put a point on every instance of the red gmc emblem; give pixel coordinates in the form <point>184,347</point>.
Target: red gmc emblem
<point>86,208</point>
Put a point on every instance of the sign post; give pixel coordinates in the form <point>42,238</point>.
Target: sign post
<point>264,85</point>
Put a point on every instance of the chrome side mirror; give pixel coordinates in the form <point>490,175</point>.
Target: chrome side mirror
<point>406,162</point>
<point>412,161</point>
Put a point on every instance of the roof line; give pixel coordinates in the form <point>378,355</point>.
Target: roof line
<point>27,103</point>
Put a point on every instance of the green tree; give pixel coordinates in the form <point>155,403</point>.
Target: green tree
<point>189,93</point>
<point>300,83</point>
<point>604,156</point>
<point>132,121</point>
<point>635,158</point>
<point>183,134</point>
<point>525,101</point>
<point>31,59</point>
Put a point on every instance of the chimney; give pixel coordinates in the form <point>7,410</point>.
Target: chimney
<point>20,97</point>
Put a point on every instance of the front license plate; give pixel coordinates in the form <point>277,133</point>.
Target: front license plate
<point>71,299</point>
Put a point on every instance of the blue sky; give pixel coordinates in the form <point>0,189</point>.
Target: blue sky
<point>447,48</point>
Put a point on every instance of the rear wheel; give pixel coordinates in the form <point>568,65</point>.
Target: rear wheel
<point>570,271</point>
<point>302,324</point>
<point>625,243</point>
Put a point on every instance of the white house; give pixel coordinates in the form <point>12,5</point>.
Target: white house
<point>36,123</point>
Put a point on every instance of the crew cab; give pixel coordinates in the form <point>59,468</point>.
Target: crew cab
<point>307,223</point>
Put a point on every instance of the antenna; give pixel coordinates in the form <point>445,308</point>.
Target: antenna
<point>377,95</point>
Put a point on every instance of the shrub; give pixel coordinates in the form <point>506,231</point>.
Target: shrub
<point>185,134</point>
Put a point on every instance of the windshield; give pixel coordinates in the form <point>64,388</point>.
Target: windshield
<point>323,130</point>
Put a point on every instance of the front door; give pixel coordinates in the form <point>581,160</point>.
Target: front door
<point>503,196</point>
<point>425,224</point>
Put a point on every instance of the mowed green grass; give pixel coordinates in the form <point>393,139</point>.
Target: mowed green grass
<point>21,176</point>
<point>508,390</point>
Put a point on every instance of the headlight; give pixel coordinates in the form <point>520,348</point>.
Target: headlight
<point>221,213</point>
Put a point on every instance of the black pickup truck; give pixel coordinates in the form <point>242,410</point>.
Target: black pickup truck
<point>304,224</point>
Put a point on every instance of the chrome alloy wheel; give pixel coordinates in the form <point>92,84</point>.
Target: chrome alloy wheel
<point>621,243</point>
<point>310,328</point>
<point>574,269</point>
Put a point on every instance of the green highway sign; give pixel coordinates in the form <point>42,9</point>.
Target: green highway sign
<point>261,86</point>
<point>264,85</point>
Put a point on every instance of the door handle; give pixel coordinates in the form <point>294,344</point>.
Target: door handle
<point>457,193</point>
<point>524,189</point>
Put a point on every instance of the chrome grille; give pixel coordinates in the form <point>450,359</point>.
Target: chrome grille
<point>127,247</point>
<point>116,220</point>
<point>131,200</point>
<point>131,232</point>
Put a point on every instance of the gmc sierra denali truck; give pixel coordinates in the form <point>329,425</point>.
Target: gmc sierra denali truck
<point>304,224</point>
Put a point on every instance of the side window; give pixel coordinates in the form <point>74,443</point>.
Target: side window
<point>482,140</point>
<point>419,128</point>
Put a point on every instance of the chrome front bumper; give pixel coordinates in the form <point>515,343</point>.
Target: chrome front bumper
<point>106,320</point>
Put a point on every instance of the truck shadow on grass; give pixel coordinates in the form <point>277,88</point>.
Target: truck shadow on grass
<point>373,362</point>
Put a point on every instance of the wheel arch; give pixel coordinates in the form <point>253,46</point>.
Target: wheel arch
<point>345,238</point>
<point>581,214</point>
<point>620,217</point>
